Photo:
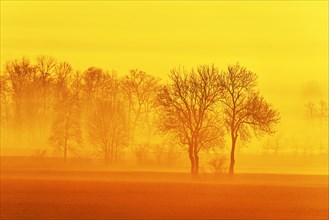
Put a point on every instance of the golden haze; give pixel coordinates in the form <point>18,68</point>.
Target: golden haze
<point>285,43</point>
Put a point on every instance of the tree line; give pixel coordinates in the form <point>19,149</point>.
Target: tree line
<point>197,107</point>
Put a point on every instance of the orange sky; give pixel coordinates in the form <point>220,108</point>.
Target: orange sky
<point>285,43</point>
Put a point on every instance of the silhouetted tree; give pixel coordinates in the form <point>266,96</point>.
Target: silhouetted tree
<point>167,152</point>
<point>93,80</point>
<point>317,111</point>
<point>61,79</point>
<point>317,129</point>
<point>218,164</point>
<point>244,108</point>
<point>25,88</point>
<point>66,128</point>
<point>140,89</point>
<point>273,144</point>
<point>188,109</point>
<point>45,68</point>
<point>311,110</point>
<point>107,123</point>
<point>5,104</point>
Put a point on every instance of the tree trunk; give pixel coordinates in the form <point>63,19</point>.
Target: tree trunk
<point>196,165</point>
<point>232,161</point>
<point>192,159</point>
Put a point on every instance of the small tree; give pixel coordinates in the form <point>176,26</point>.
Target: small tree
<point>244,108</point>
<point>187,109</point>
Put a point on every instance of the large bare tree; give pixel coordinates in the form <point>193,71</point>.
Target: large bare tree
<point>188,109</point>
<point>244,109</point>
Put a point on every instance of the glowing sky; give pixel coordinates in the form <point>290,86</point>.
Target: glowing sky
<point>276,39</point>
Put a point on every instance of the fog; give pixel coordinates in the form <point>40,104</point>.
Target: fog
<point>55,117</point>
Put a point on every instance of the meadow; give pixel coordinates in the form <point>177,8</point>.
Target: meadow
<point>159,195</point>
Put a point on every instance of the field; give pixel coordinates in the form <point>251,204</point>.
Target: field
<point>142,195</point>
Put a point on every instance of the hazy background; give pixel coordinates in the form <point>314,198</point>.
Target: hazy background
<point>285,43</point>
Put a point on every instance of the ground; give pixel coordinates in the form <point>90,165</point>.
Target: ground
<point>132,195</point>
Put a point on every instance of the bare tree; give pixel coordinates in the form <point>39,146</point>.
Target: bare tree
<point>188,109</point>
<point>140,89</point>
<point>45,69</point>
<point>273,144</point>
<point>25,88</point>
<point>66,128</point>
<point>311,111</point>
<point>244,108</point>
<point>61,79</point>
<point>317,129</point>
<point>317,111</point>
<point>5,105</point>
<point>167,152</point>
<point>107,125</point>
<point>218,164</point>
<point>323,110</point>
<point>93,80</point>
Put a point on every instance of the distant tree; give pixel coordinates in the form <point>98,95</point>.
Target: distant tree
<point>218,164</point>
<point>273,144</point>
<point>188,110</point>
<point>167,152</point>
<point>66,129</point>
<point>93,80</point>
<point>323,110</point>
<point>317,129</point>
<point>107,126</point>
<point>5,104</point>
<point>25,95</point>
<point>140,90</point>
<point>5,92</point>
<point>142,152</point>
<point>61,79</point>
<point>244,109</point>
<point>45,67</point>
<point>317,111</point>
<point>311,111</point>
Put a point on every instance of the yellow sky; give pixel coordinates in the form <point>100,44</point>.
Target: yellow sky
<point>279,40</point>
<point>284,42</point>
